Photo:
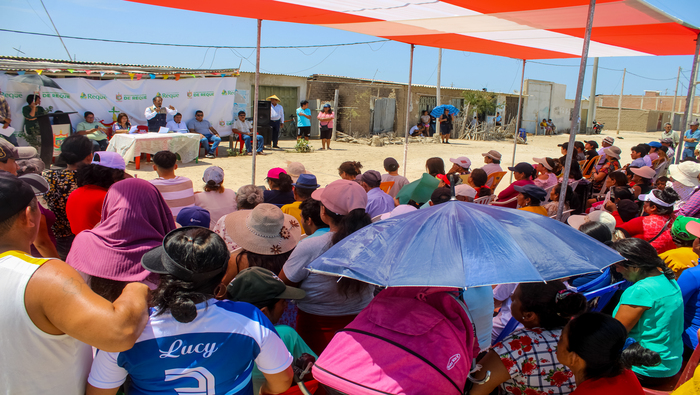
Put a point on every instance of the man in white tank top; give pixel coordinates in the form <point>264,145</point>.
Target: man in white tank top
<point>50,315</point>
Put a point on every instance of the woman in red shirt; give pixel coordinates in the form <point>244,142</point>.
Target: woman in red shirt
<point>592,345</point>
<point>522,172</point>
<point>656,226</point>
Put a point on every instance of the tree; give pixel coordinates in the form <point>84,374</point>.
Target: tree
<point>483,102</point>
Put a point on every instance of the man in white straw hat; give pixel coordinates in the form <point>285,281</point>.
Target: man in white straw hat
<point>684,178</point>
<point>276,118</point>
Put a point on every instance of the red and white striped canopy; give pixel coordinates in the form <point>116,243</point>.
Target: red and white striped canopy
<point>522,29</point>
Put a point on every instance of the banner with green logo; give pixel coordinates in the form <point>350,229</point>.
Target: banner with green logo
<point>217,97</point>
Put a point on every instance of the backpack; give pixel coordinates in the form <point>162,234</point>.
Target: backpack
<point>409,340</point>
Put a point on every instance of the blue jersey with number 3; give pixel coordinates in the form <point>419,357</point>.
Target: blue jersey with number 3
<point>214,354</point>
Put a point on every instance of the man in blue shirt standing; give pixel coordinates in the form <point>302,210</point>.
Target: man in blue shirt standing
<point>209,134</point>
<point>498,119</point>
<point>304,121</point>
<point>691,138</point>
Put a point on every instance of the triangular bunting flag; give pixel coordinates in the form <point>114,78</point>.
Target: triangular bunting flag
<point>177,77</point>
<point>39,71</point>
<point>132,76</point>
<point>21,72</point>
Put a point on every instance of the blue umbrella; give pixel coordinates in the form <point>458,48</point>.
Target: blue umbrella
<point>439,110</point>
<point>458,244</point>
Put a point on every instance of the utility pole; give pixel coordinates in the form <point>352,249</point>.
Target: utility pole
<point>591,98</point>
<point>675,96</point>
<point>619,100</point>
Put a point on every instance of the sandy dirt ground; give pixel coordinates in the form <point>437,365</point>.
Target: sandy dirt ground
<point>324,164</point>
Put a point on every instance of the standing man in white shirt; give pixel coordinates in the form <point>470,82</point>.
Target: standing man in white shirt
<point>243,127</point>
<point>156,114</point>
<point>176,125</point>
<point>276,118</point>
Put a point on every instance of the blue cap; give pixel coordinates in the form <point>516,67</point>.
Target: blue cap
<point>532,190</point>
<point>193,216</point>
<point>655,144</point>
<point>307,181</point>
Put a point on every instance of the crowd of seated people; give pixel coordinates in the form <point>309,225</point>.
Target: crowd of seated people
<point>169,281</point>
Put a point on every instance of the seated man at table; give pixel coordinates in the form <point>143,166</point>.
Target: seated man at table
<point>176,125</point>
<point>94,131</point>
<point>209,134</point>
<point>243,127</point>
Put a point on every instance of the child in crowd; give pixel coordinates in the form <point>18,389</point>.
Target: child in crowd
<point>177,191</point>
<point>477,180</point>
<point>660,183</point>
<point>391,166</point>
<point>305,185</point>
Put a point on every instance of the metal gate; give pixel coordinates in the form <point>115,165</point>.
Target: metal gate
<point>383,115</point>
<point>289,97</point>
<point>427,103</point>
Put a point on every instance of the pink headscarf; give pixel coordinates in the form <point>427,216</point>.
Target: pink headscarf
<point>135,218</point>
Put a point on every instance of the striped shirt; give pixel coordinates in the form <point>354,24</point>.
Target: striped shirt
<point>178,192</point>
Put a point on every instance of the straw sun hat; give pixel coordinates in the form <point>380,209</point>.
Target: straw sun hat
<point>265,230</point>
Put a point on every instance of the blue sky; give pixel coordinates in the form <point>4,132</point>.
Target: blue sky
<point>122,20</point>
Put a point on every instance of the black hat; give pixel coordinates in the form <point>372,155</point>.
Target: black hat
<point>158,261</point>
<point>257,285</point>
<point>532,190</point>
<point>593,143</point>
<point>564,145</point>
<point>523,167</point>
<point>15,195</point>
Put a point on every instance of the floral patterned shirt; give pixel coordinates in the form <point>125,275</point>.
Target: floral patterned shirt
<point>61,184</point>
<point>530,357</point>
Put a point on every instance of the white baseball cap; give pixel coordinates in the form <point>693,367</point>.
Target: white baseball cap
<point>601,216</point>
<point>109,159</point>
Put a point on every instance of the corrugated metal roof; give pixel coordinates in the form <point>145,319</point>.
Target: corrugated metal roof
<point>15,63</point>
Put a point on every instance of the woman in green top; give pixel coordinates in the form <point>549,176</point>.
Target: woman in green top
<point>651,309</point>
<point>32,111</point>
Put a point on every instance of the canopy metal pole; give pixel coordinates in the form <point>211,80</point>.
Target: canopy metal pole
<point>408,110</point>
<point>688,115</point>
<point>439,70</point>
<point>575,121</point>
<point>517,117</point>
<point>255,100</point>
<point>619,100</point>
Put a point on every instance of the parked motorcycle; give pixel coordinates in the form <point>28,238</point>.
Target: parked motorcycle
<point>597,127</point>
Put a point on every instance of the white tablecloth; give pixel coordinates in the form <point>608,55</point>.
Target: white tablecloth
<point>130,146</point>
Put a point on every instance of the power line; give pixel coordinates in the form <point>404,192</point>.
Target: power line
<point>604,68</point>
<point>54,28</point>
<point>190,45</point>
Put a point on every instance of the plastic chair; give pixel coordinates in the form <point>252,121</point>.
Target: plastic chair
<point>505,202</point>
<point>586,171</point>
<point>142,129</point>
<point>307,387</point>
<point>604,295</point>
<point>485,199</point>
<point>494,179</point>
<point>549,191</point>
<point>685,374</point>
<point>386,186</point>
<point>593,284</point>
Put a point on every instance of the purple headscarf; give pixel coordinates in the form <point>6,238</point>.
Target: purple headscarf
<point>135,218</point>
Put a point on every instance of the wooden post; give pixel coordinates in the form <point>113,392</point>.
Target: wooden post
<point>408,111</point>
<point>689,100</point>
<point>517,117</point>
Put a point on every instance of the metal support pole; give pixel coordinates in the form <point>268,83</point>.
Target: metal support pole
<point>619,101</point>
<point>517,117</point>
<point>255,100</point>
<point>591,98</point>
<point>688,100</point>
<point>675,96</point>
<point>439,70</point>
<point>335,108</point>
<point>575,123</point>
<point>408,111</point>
